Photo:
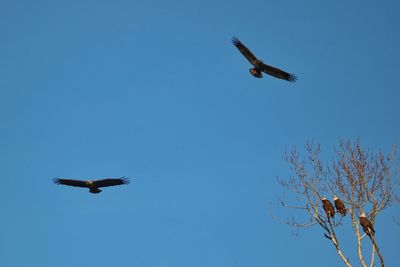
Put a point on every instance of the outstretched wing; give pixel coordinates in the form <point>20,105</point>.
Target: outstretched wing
<point>70,182</point>
<point>111,182</point>
<point>278,73</point>
<point>244,50</point>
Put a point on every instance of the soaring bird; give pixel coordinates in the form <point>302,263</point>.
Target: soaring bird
<point>366,225</point>
<point>92,185</point>
<point>328,207</point>
<point>259,66</point>
<point>339,205</point>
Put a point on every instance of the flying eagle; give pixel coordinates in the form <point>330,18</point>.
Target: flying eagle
<point>328,207</point>
<point>259,66</point>
<point>339,205</point>
<point>366,225</point>
<point>92,185</point>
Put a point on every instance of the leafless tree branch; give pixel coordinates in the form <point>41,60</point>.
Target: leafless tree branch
<point>366,181</point>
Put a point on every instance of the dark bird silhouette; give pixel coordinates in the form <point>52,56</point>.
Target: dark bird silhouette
<point>339,205</point>
<point>92,185</point>
<point>328,207</point>
<point>259,66</point>
<point>366,225</point>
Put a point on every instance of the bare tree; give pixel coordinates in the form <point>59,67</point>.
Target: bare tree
<point>365,181</point>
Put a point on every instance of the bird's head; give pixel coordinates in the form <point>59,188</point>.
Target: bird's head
<point>89,182</point>
<point>323,198</point>
<point>256,72</point>
<point>335,197</point>
<point>362,215</point>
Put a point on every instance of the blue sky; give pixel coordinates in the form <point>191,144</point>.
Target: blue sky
<point>154,90</point>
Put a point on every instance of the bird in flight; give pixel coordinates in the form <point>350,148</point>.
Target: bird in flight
<point>259,66</point>
<point>93,186</point>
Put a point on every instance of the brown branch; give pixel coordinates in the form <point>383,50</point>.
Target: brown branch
<point>378,251</point>
<point>356,229</point>
<point>372,257</point>
<point>335,242</point>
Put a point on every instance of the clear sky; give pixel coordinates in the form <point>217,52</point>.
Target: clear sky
<point>155,91</point>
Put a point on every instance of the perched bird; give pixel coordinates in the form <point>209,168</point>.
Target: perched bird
<point>259,66</point>
<point>92,185</point>
<point>339,205</point>
<point>328,207</point>
<point>366,225</point>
